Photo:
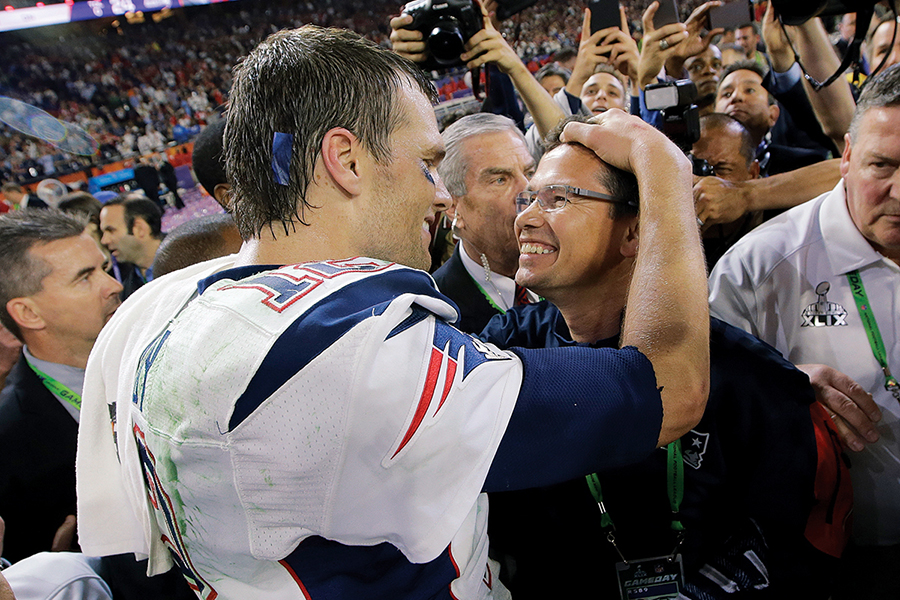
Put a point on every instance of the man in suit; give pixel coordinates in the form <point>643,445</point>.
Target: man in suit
<point>131,231</point>
<point>55,297</point>
<point>487,164</point>
<point>19,198</point>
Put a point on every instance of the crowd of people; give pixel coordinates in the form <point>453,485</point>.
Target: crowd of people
<point>629,329</point>
<point>137,88</point>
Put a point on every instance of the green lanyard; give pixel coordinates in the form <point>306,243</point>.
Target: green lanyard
<point>868,320</point>
<point>58,389</point>
<point>489,299</point>
<point>674,489</point>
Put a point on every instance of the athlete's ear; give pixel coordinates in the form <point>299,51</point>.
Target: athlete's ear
<point>341,152</point>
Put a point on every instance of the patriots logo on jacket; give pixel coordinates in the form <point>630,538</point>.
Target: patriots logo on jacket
<point>693,447</point>
<point>453,355</point>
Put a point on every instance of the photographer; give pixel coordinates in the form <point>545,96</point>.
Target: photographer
<point>486,47</point>
<point>612,46</point>
<point>670,46</point>
<point>821,117</point>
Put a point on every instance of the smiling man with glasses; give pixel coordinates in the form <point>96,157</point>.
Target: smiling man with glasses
<point>746,470</point>
<point>555,197</point>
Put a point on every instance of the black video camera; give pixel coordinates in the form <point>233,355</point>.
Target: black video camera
<point>681,118</point>
<point>446,26</point>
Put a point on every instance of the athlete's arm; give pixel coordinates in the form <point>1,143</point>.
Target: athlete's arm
<point>667,316</point>
<point>579,410</point>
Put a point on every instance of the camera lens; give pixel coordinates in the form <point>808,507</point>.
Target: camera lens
<point>446,43</point>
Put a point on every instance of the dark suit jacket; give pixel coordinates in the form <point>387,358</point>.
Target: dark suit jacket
<point>35,202</point>
<point>783,159</point>
<point>798,127</point>
<point>455,282</point>
<point>37,463</point>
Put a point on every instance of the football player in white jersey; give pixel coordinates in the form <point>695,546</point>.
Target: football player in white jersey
<point>311,425</point>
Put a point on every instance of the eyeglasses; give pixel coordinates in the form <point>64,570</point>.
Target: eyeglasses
<point>552,198</point>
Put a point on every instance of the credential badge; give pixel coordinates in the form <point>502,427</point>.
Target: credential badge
<point>823,313</point>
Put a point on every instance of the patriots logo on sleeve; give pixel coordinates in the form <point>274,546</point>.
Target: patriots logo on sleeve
<point>454,355</point>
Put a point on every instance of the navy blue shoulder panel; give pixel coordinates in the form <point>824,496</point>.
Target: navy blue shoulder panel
<point>321,326</point>
<point>535,325</point>
<point>327,569</point>
<point>580,410</point>
<point>235,274</point>
<point>417,315</point>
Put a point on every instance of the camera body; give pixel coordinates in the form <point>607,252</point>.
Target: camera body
<point>446,25</point>
<point>701,167</point>
<point>798,12</point>
<point>681,118</point>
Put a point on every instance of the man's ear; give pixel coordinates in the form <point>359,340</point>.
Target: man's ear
<point>456,216</point>
<point>630,240</point>
<point>451,210</point>
<point>754,169</point>
<point>140,229</point>
<point>220,193</point>
<point>845,155</point>
<point>774,111</point>
<point>26,314</point>
<point>341,152</point>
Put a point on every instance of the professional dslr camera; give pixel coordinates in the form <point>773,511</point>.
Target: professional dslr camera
<point>446,25</point>
<point>681,117</point>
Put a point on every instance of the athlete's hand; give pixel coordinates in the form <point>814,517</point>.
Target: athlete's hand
<point>627,142</point>
<point>852,409</point>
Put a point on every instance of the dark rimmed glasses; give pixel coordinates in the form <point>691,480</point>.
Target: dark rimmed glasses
<point>552,198</point>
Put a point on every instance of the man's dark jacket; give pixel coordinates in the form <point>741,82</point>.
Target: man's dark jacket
<point>455,282</point>
<point>37,463</point>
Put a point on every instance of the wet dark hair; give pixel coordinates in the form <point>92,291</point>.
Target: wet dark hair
<point>302,83</point>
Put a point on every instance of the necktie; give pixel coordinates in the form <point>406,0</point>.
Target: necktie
<point>522,296</point>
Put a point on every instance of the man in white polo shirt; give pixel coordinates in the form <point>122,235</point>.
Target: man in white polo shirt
<point>820,284</point>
